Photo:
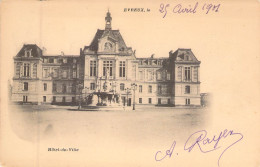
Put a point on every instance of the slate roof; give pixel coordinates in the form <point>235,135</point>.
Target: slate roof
<point>113,34</point>
<point>179,55</point>
<point>61,56</point>
<point>36,51</point>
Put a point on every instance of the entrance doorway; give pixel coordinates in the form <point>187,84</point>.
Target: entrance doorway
<point>129,102</point>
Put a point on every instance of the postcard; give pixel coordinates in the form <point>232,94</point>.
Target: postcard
<point>130,83</point>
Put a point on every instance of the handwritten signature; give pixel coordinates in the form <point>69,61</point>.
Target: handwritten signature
<point>179,8</point>
<point>200,140</point>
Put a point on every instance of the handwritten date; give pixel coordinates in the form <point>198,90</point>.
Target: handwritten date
<point>192,9</point>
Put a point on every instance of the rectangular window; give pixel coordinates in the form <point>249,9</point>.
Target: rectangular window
<point>45,73</point>
<point>150,89</point>
<point>195,73</point>
<point>64,88</point>
<point>140,100</point>
<point>25,86</point>
<point>54,99</point>
<point>159,89</point>
<point>122,69</point>
<point>140,88</point>
<point>45,86</point>
<point>92,86</point>
<point>168,76</point>
<point>54,87</point>
<point>150,100</point>
<point>169,101</point>
<point>187,73</point>
<point>122,86</point>
<point>64,74</point>
<point>26,70</point>
<point>107,68</point>
<point>93,68</point>
<point>187,89</point>
<point>74,74</point>
<point>44,98</point>
<point>63,99</point>
<point>141,77</point>
<point>73,88</point>
<point>159,101</point>
<point>17,69</point>
<point>35,70</point>
<point>159,76</point>
<point>169,89</point>
<point>187,102</point>
<point>150,75</point>
<point>73,99</point>
<point>55,73</point>
<point>179,75</point>
<point>25,98</point>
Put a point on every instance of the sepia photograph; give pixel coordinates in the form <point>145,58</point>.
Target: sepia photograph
<point>132,83</point>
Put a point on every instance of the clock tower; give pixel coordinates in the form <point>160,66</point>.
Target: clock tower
<point>108,19</point>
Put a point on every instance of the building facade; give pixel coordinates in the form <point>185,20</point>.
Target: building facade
<point>107,64</point>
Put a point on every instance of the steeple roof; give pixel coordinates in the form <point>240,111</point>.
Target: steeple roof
<point>108,19</point>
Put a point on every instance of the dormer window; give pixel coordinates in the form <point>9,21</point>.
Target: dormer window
<point>51,60</point>
<point>186,58</point>
<point>28,53</point>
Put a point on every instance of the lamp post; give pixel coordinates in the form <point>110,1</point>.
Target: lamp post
<point>127,92</point>
<point>134,85</point>
<point>80,95</point>
<point>86,92</point>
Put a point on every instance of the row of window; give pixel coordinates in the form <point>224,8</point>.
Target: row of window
<point>150,75</point>
<point>54,87</point>
<point>59,60</point>
<point>63,99</point>
<point>93,86</point>
<point>150,62</point>
<point>187,101</point>
<point>107,68</point>
<point>64,73</point>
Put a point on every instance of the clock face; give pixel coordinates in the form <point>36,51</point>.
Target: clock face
<point>108,46</point>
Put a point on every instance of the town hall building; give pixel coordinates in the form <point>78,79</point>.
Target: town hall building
<point>106,65</point>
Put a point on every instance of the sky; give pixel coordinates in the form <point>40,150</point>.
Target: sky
<point>218,39</point>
